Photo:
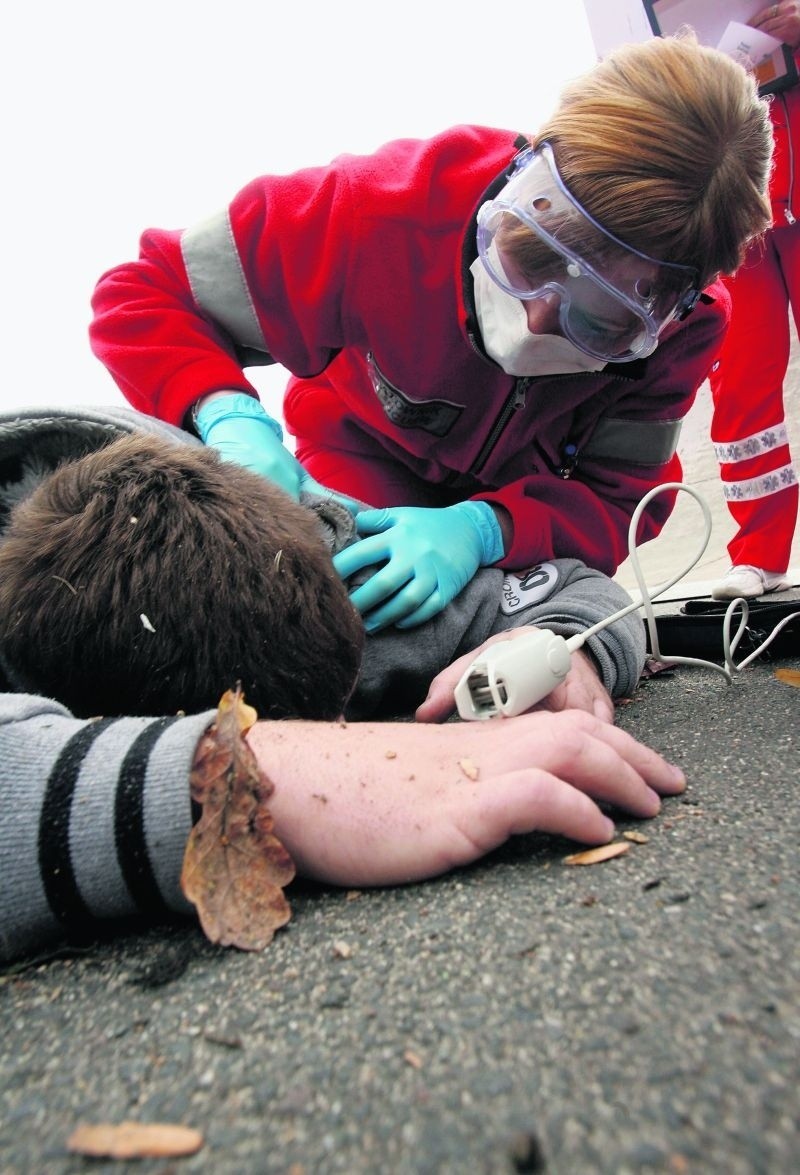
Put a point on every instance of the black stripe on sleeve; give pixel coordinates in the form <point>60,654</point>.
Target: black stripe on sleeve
<point>55,862</point>
<point>129,829</point>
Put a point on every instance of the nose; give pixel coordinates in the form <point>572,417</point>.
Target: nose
<point>542,314</point>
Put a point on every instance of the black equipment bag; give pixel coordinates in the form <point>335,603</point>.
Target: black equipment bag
<point>696,629</point>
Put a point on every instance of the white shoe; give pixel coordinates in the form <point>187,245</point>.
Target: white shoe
<point>746,581</point>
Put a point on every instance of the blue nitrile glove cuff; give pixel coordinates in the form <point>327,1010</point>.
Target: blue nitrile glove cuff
<point>490,534</point>
<point>241,431</point>
<point>237,405</point>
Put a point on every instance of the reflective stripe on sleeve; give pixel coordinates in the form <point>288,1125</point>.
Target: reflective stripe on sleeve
<point>729,452</point>
<point>217,279</point>
<point>750,488</point>
<point>640,442</point>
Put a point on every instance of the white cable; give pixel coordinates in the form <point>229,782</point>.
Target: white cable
<point>647,597</point>
<point>511,676</point>
<point>729,645</point>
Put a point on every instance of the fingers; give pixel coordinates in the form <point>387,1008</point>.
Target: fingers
<point>397,591</point>
<point>440,702</point>
<point>582,688</point>
<point>610,778</point>
<point>529,801</point>
<point>407,608</point>
<point>589,695</point>
<point>664,778</point>
<point>389,577</point>
<point>585,690</point>
<point>381,586</point>
<point>310,485</point>
<point>575,695</point>
<point>375,521</point>
<point>602,707</point>
<point>364,553</point>
<point>764,16</point>
<point>431,607</point>
<point>593,756</point>
<point>396,581</point>
<point>781,21</point>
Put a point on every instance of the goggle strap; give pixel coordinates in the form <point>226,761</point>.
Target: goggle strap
<point>546,149</point>
<point>687,305</point>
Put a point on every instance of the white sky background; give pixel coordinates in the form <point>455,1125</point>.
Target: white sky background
<point>119,116</point>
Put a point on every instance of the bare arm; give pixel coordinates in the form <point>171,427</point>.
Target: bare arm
<point>357,804</point>
<point>389,803</point>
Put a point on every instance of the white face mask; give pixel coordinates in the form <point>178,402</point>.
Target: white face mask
<point>504,329</point>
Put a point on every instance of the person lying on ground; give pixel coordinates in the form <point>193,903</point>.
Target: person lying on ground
<point>139,576</point>
<point>95,815</point>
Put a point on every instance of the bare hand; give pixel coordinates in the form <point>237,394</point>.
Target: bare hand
<point>581,689</point>
<point>781,21</point>
<point>384,804</point>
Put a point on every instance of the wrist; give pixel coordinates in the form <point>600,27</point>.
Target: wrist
<point>216,406</point>
<point>240,809</point>
<point>193,409</point>
<point>488,528</point>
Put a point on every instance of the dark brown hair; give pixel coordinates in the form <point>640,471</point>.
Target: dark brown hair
<point>149,577</point>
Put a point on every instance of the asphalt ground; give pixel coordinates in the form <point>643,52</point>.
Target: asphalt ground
<point>641,1015</point>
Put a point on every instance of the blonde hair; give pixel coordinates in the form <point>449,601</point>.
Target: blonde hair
<point>668,145</point>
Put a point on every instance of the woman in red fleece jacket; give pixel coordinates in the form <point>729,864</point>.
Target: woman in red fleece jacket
<point>492,337</point>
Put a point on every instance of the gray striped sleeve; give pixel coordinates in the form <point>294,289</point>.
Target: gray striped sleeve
<point>94,818</point>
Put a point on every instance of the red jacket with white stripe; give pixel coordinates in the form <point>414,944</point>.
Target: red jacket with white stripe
<point>355,277</point>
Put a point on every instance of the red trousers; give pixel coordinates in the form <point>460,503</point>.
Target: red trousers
<point>748,428</point>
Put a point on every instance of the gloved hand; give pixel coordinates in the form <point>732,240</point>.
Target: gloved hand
<point>428,557</point>
<point>240,429</point>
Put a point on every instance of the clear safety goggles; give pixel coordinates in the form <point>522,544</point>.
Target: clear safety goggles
<point>613,300</point>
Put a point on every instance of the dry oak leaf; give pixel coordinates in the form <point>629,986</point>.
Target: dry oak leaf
<point>602,853</point>
<point>234,868</point>
<point>789,676</point>
<point>134,1140</point>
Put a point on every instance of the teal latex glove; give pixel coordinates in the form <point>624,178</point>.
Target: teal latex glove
<point>240,429</point>
<point>428,556</point>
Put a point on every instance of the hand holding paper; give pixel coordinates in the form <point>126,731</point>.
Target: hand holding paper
<point>781,21</point>
<point>749,45</point>
<point>752,33</point>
